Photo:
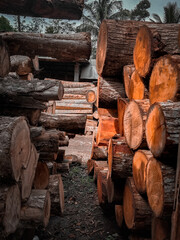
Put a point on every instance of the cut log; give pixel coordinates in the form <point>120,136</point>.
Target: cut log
<point>140,161</point>
<point>10,207</point>
<point>122,104</point>
<point>99,152</point>
<point>61,135</point>
<point>51,107</point>
<point>90,167</point>
<point>52,167</point>
<point>22,65</point>
<point>28,174</point>
<point>47,157</point>
<point>41,179</point>
<point>37,89</point>
<point>127,73</point>
<point>56,190</point>
<point>137,213</point>
<point>102,187</point>
<point>98,166</point>
<point>91,96</point>
<point>36,132</point>
<point>163,128</point>
<point>70,84</point>
<point>134,123</point>
<point>160,229</point>
<point>77,91</point>
<point>15,147</point>
<point>73,111</point>
<point>73,96</point>
<point>108,91</point>
<point>120,159</point>
<point>37,208</point>
<point>71,48</point>
<point>4,59</point>
<point>107,112</point>
<point>160,184</point>
<point>71,105</point>
<point>74,123</point>
<point>165,82</point>
<point>119,215</point>
<point>116,42</point>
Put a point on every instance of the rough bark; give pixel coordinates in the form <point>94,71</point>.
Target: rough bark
<point>116,42</point>
<point>73,105</point>
<point>41,179</point>
<point>71,48</point>
<point>4,59</point>
<point>15,147</point>
<point>22,65</point>
<point>122,104</point>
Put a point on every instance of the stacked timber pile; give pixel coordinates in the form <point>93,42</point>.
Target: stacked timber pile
<point>135,163</point>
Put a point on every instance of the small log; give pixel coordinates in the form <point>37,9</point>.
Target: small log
<point>160,229</point>
<point>140,161</point>
<point>60,155</point>
<point>36,132</point>
<point>71,158</point>
<point>90,167</point>
<point>91,96</point>
<point>107,112</point>
<point>37,208</point>
<point>160,184</point>
<point>120,159</point>
<point>77,91</point>
<point>101,187</point>
<point>15,147</point>
<point>127,73</point>
<point>122,104</point>
<point>51,107</point>
<point>99,152</point>
<point>70,84</point>
<point>98,166</point>
<point>41,179</point>
<point>22,65</point>
<point>10,207</point>
<point>167,87</point>
<point>137,213</point>
<point>68,96</point>
<point>61,134</point>
<point>73,105</point>
<point>74,123</point>
<point>134,123</point>
<point>4,59</point>
<point>73,111</point>
<point>47,156</point>
<point>56,190</point>
<point>163,128</point>
<point>62,167</point>
<point>119,215</point>
<point>28,174</point>
<point>108,91</point>
<point>64,142</point>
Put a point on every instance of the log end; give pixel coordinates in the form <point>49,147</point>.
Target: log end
<point>41,179</point>
<point>91,96</point>
<point>136,87</point>
<point>60,91</point>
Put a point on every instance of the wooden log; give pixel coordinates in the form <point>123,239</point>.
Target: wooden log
<point>116,42</point>
<point>37,89</point>
<point>98,166</point>
<point>47,156</point>
<point>122,104</point>
<point>73,111</point>
<point>41,179</point>
<point>90,167</point>
<point>61,134</point>
<point>74,123</point>
<point>15,147</point>
<point>31,114</point>
<point>164,81</point>
<point>22,65</point>
<point>140,161</point>
<point>56,190</point>
<point>73,96</point>
<point>60,155</point>
<point>36,132</point>
<point>4,59</point>
<point>72,48</point>
<point>77,91</point>
<point>119,215</point>
<point>160,228</point>
<point>127,73</point>
<point>160,184</point>
<point>70,84</point>
<point>52,167</point>
<point>101,187</point>
<point>57,9</point>
<point>99,152</point>
<point>28,174</point>
<point>137,213</point>
<point>10,207</point>
<point>73,106</point>
<point>108,91</point>
<point>62,167</point>
<point>120,159</point>
<point>134,123</point>
<point>91,96</point>
<point>64,142</point>
<point>107,112</point>
<point>51,107</point>
<point>37,208</point>
<point>163,128</point>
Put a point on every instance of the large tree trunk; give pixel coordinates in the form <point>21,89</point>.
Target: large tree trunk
<point>60,9</point>
<point>22,65</point>
<point>10,207</point>
<point>108,91</point>
<point>76,48</point>
<point>134,123</point>
<point>15,147</point>
<point>116,42</point>
<point>160,184</point>
<point>38,89</point>
<point>137,213</point>
<point>74,123</point>
<point>163,128</point>
<point>4,59</point>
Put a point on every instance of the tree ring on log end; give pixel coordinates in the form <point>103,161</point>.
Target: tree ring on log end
<point>47,209</point>
<point>143,51</point>
<point>101,48</point>
<point>91,96</point>
<point>164,80</point>
<point>155,130</point>
<point>154,187</point>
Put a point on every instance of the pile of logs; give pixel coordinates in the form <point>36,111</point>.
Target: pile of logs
<point>135,148</point>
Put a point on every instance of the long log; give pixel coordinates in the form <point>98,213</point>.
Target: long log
<point>127,73</point>
<point>22,65</point>
<point>116,42</point>
<point>160,185</point>
<point>41,179</point>
<point>74,123</point>
<point>134,123</point>
<point>37,89</point>
<point>4,59</point>
<point>108,91</point>
<point>71,48</point>
<point>10,207</point>
<point>70,84</point>
<point>163,128</point>
<point>137,213</point>
<point>60,9</point>
<point>72,105</point>
<point>37,208</point>
<point>77,91</point>
<point>15,147</point>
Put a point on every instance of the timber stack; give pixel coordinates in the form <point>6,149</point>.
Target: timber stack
<point>135,148</point>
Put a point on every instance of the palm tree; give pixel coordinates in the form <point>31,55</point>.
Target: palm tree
<point>171,14</point>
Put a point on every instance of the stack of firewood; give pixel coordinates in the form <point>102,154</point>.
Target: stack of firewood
<point>139,151</point>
